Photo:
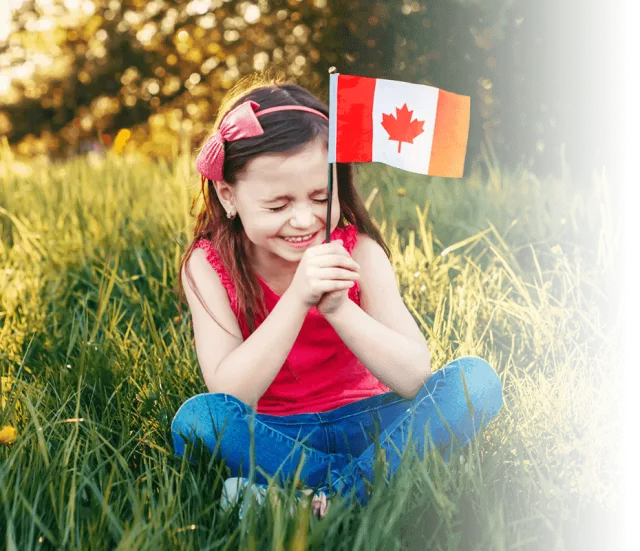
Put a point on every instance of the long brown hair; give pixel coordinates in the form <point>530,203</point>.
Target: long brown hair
<point>284,132</point>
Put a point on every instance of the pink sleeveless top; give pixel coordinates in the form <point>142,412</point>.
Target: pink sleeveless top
<point>320,373</point>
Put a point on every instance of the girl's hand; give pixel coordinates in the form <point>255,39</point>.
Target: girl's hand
<point>323,269</point>
<point>331,302</point>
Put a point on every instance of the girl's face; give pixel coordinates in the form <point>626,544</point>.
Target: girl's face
<point>284,195</point>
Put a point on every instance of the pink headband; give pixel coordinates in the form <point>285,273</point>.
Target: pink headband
<point>241,122</point>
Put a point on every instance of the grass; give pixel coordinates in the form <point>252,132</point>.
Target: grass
<point>95,362</point>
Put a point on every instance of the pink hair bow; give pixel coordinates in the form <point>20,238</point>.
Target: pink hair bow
<point>240,122</point>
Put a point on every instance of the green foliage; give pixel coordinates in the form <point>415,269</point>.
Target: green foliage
<point>96,362</point>
<point>525,209</point>
<point>492,10</point>
<point>164,66</point>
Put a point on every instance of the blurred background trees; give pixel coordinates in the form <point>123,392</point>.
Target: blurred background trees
<point>75,72</point>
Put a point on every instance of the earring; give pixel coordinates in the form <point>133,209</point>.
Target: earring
<point>230,216</point>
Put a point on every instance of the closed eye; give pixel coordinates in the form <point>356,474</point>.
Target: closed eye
<point>278,209</point>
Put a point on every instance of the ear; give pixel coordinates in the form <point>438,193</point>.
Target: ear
<point>225,194</point>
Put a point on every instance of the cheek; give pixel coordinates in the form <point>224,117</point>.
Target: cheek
<point>321,210</point>
<point>258,227</point>
<point>335,213</point>
<point>335,208</point>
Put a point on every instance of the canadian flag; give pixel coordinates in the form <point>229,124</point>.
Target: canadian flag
<point>415,127</point>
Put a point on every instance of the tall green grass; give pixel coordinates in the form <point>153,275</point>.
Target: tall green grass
<point>95,362</point>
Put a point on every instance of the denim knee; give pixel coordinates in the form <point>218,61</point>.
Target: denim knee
<point>196,417</point>
<point>484,385</point>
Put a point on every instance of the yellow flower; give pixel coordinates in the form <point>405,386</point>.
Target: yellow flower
<point>401,192</point>
<point>7,435</point>
<point>121,140</point>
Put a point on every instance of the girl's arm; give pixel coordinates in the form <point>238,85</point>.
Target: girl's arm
<point>229,364</point>
<point>251,368</point>
<point>382,333</point>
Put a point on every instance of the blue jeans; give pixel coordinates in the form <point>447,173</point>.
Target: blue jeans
<point>339,445</point>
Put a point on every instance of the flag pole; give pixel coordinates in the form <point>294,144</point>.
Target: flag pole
<point>330,175</point>
<point>329,202</point>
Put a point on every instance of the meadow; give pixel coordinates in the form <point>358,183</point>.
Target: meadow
<point>95,360</point>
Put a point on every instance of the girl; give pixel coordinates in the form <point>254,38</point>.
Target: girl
<point>306,347</point>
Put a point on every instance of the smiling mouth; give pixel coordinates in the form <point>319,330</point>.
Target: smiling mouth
<point>300,239</point>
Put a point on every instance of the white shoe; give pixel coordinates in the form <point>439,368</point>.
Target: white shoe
<point>233,491</point>
<point>234,488</point>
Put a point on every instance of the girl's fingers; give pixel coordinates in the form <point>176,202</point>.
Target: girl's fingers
<point>322,287</point>
<point>337,273</point>
<point>335,247</point>
<point>320,505</point>
<point>329,260</point>
<point>324,507</point>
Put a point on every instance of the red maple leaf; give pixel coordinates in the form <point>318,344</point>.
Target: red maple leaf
<point>401,127</point>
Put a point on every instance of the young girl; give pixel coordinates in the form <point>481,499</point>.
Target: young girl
<point>306,347</point>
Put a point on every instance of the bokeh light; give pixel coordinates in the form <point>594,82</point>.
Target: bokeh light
<point>86,67</point>
<point>61,59</point>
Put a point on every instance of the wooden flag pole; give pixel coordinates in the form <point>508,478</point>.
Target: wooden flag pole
<point>328,226</point>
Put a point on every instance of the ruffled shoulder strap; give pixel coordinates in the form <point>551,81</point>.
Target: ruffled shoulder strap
<point>217,264</point>
<point>349,236</point>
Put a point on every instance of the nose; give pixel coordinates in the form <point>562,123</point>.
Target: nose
<point>302,218</point>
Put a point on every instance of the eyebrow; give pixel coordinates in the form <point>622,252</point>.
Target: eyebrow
<point>280,197</point>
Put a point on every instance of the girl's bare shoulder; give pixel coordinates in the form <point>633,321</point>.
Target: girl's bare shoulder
<point>366,248</point>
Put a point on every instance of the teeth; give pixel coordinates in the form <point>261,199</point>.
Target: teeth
<point>297,239</point>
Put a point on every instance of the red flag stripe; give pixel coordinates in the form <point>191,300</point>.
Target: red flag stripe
<point>450,135</point>
<point>354,131</point>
